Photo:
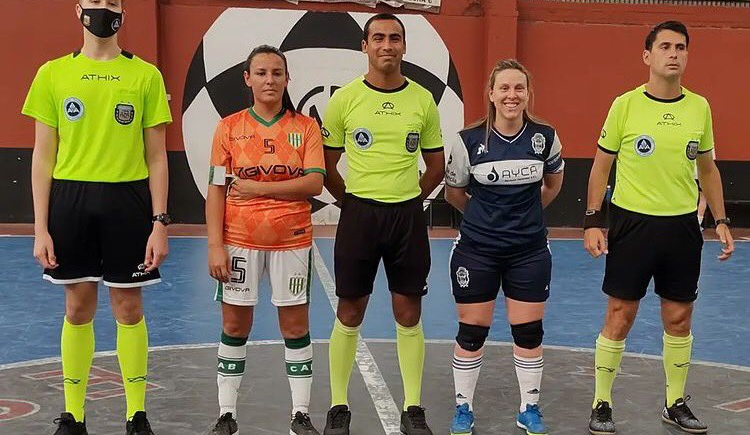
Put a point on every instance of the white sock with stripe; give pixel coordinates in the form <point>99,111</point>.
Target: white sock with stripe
<point>529,373</point>
<point>465,376</point>
<point>231,368</point>
<point>298,353</point>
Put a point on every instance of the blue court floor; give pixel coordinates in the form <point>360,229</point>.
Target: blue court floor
<point>181,309</point>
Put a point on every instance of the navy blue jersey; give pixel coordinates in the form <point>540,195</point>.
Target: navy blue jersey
<point>504,180</point>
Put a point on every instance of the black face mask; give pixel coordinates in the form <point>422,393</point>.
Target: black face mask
<point>101,22</point>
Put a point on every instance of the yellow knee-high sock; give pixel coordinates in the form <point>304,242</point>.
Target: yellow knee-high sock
<point>410,345</point>
<point>677,352</point>
<point>341,353</point>
<point>77,350</point>
<point>132,352</point>
<point>606,363</point>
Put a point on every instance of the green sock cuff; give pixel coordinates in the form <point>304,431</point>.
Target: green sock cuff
<point>409,330</point>
<point>678,342</point>
<point>83,326</point>
<point>610,345</point>
<point>346,330</point>
<point>233,341</point>
<point>297,343</point>
<point>139,324</point>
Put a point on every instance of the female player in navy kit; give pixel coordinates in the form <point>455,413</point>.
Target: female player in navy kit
<point>502,171</point>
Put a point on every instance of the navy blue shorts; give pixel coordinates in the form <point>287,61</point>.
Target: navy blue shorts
<point>478,277</point>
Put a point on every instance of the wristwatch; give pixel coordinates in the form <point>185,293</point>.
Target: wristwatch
<point>725,221</point>
<point>164,218</point>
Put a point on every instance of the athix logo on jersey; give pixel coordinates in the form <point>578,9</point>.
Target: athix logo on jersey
<point>297,284</point>
<point>100,78</point>
<point>538,142</point>
<point>324,131</point>
<point>295,139</point>
<point>669,119</point>
<point>462,276</point>
<point>388,109</point>
<point>644,145</point>
<point>73,108</point>
<point>691,150</point>
<point>482,149</point>
<point>362,138</point>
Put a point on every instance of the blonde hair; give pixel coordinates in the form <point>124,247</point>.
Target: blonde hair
<point>489,118</point>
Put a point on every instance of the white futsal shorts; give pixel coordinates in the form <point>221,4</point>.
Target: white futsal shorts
<point>290,273</point>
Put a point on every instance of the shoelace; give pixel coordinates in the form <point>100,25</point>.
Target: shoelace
<point>65,421</point>
<point>463,416</point>
<point>417,417</point>
<point>603,412</point>
<point>682,411</point>
<point>304,420</point>
<point>534,409</point>
<point>338,418</point>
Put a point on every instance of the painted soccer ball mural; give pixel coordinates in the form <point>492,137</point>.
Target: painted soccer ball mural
<point>324,52</point>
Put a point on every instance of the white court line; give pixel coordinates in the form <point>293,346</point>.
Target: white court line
<point>388,412</point>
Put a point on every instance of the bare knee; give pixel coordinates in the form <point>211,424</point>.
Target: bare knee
<point>351,312</point>
<point>127,305</point>
<point>620,317</point>
<point>407,310</point>
<point>293,321</point>
<point>677,317</point>
<point>236,321</point>
<point>80,303</point>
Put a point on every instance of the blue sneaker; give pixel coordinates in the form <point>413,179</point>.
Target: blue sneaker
<point>531,421</point>
<point>463,421</point>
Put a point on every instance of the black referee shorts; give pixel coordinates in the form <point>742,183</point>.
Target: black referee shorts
<point>369,231</point>
<point>99,232</point>
<point>641,247</point>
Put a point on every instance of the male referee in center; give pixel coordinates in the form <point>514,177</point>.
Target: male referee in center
<point>384,122</point>
<point>657,132</point>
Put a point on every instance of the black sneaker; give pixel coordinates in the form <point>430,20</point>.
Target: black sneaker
<point>337,421</point>
<point>138,425</point>
<point>225,425</point>
<point>601,422</point>
<point>413,421</point>
<point>681,416</point>
<point>301,425</point>
<point>67,425</point>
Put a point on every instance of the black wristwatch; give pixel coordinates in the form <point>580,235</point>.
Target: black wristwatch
<point>725,221</point>
<point>164,218</point>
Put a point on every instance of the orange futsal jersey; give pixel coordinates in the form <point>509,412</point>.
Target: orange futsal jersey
<point>250,148</point>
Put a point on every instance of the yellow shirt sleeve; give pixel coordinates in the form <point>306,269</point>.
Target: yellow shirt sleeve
<point>40,101</point>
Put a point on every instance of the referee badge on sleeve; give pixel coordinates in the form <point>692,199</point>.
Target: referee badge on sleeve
<point>691,150</point>
<point>412,141</point>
